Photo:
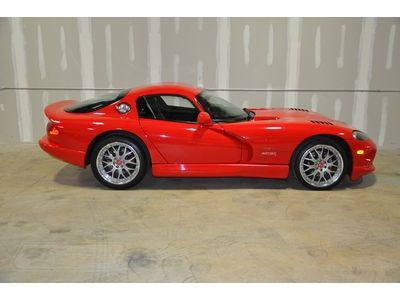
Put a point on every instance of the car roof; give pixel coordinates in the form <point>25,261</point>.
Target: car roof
<point>172,88</point>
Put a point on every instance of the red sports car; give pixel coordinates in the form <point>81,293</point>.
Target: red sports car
<point>183,131</point>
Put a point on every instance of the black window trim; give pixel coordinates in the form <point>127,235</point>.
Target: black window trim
<point>149,107</point>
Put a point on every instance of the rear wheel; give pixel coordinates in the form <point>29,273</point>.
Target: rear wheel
<point>321,164</point>
<point>118,163</point>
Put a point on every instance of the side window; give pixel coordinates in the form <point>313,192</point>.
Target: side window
<point>176,101</point>
<point>166,107</point>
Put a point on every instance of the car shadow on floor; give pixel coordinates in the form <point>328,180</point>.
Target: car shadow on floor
<point>72,176</point>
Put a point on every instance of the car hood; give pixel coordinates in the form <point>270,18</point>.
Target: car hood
<point>297,114</point>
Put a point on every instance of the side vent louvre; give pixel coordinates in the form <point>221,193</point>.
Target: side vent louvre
<point>321,122</point>
<point>298,109</point>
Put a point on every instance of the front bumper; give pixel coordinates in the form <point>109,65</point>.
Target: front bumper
<point>362,163</point>
<point>70,156</point>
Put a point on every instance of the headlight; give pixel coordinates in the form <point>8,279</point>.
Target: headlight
<point>359,135</point>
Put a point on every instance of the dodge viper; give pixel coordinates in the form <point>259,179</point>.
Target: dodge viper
<point>182,131</point>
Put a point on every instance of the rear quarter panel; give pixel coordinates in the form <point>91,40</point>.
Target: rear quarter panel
<point>78,130</point>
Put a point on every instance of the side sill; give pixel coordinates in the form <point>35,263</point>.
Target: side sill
<point>220,170</point>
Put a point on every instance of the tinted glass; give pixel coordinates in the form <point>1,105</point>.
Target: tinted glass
<point>220,109</point>
<point>167,107</point>
<point>96,103</point>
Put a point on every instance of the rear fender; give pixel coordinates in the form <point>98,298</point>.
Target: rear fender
<point>152,154</point>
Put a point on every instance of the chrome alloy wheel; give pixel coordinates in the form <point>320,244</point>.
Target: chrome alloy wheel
<point>321,166</point>
<point>118,163</point>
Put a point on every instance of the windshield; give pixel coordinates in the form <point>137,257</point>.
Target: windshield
<point>220,109</point>
<point>96,103</point>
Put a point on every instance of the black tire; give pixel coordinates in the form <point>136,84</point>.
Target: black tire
<point>305,169</point>
<point>121,164</point>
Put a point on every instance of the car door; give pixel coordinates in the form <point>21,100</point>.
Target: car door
<point>170,123</point>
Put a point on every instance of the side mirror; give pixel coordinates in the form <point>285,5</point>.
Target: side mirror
<point>204,119</point>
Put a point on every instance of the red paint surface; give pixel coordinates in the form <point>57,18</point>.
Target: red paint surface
<point>262,147</point>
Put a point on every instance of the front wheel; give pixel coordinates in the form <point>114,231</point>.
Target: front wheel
<point>118,163</point>
<point>321,164</point>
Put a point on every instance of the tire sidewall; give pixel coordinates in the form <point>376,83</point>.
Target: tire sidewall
<point>312,143</point>
<point>141,156</point>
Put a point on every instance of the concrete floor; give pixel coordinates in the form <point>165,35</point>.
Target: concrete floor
<point>57,224</point>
